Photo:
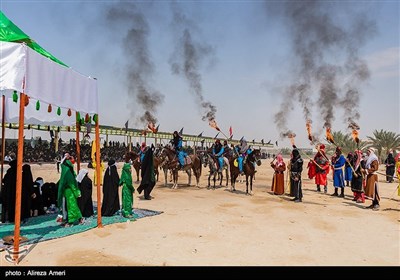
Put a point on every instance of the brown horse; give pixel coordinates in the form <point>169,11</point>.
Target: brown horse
<point>136,165</point>
<point>248,169</point>
<point>171,162</point>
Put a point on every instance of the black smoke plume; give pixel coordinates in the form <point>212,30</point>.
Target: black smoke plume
<point>187,58</point>
<point>325,39</point>
<point>139,66</point>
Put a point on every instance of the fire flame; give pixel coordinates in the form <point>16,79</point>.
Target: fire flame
<point>213,124</point>
<point>152,127</point>
<point>291,138</point>
<point>329,136</point>
<point>354,133</point>
<point>308,125</point>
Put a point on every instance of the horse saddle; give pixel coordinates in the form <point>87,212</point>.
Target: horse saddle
<point>188,160</point>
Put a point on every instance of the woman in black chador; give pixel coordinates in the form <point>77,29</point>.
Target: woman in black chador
<point>110,190</point>
<point>85,202</point>
<point>296,167</point>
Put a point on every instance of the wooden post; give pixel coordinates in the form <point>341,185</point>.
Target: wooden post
<point>56,141</point>
<point>20,154</point>
<point>3,137</point>
<point>78,145</point>
<point>98,174</point>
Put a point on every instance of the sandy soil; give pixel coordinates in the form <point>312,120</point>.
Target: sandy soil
<point>201,227</point>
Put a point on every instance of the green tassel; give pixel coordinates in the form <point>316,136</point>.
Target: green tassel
<point>95,118</point>
<point>37,105</point>
<point>15,96</point>
<point>59,111</point>
<point>78,117</point>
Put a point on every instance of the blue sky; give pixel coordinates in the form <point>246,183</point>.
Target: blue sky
<point>250,61</point>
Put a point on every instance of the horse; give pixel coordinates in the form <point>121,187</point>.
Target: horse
<point>248,169</point>
<point>209,161</point>
<point>192,162</point>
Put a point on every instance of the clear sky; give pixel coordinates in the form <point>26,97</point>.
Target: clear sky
<point>245,60</point>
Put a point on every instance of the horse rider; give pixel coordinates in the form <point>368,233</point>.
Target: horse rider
<point>227,149</point>
<point>242,150</point>
<point>180,153</point>
<point>218,152</point>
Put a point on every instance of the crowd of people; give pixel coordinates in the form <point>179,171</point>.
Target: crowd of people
<point>358,171</point>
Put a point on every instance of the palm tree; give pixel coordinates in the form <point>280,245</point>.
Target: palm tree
<point>383,141</point>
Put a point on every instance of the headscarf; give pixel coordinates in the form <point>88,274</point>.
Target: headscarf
<point>371,158</point>
<point>358,155</point>
<point>295,155</point>
<point>279,160</point>
<point>81,175</point>
<point>243,146</point>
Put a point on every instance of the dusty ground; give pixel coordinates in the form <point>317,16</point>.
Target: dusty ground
<point>201,227</point>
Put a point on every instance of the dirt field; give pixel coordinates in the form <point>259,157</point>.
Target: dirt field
<point>201,227</point>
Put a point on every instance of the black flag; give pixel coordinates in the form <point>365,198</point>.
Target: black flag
<point>201,134</point>
<point>276,143</point>
<point>126,126</point>
<point>181,131</point>
<point>216,135</point>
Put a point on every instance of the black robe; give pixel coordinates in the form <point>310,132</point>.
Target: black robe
<point>296,167</point>
<point>147,173</point>
<point>110,192</point>
<point>85,202</point>
<point>390,167</point>
<point>8,193</point>
<point>49,194</point>
<point>26,192</point>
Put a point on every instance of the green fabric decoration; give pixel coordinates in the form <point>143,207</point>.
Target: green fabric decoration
<point>15,96</point>
<point>78,117</point>
<point>59,111</point>
<point>37,105</point>
<point>95,118</point>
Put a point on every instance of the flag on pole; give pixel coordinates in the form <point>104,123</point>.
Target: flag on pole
<point>126,126</point>
<point>93,151</point>
<point>276,143</point>
<point>201,134</point>
<point>157,128</point>
<point>230,131</point>
<point>241,138</point>
<point>216,135</point>
<point>262,141</point>
<point>181,131</point>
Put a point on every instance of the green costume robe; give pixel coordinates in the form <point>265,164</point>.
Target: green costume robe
<point>127,190</point>
<point>68,188</point>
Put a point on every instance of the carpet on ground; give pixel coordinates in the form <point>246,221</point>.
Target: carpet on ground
<point>45,227</point>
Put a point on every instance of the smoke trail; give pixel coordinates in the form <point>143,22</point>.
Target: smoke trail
<point>325,52</point>
<point>139,68</point>
<point>187,58</point>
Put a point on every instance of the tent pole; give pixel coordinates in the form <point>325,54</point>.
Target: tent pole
<point>78,146</point>
<point>3,136</point>
<point>98,174</point>
<point>20,154</point>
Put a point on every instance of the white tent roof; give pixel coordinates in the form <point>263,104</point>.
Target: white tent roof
<point>24,70</point>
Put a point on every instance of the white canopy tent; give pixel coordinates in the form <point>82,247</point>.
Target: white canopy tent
<point>38,78</point>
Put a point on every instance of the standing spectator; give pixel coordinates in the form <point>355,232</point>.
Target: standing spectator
<point>358,164</point>
<point>68,189</point>
<point>8,193</point>
<point>148,176</point>
<point>338,161</point>
<point>110,190</point>
<point>371,189</point>
<point>85,185</point>
<point>278,184</point>
<point>390,166</point>
<point>348,173</point>
<point>127,188</point>
<point>296,167</point>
